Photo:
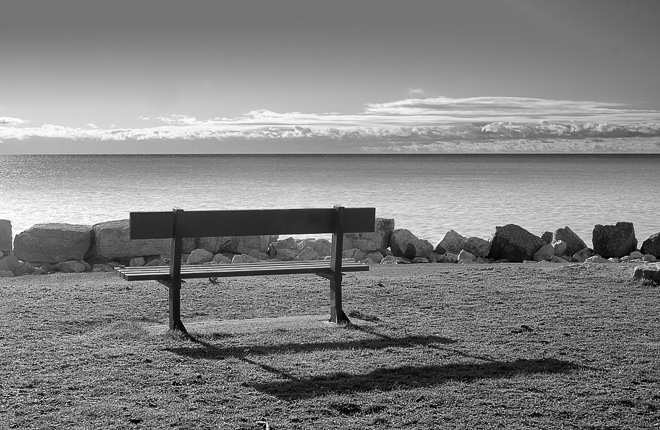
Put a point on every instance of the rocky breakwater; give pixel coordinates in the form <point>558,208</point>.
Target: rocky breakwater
<point>512,243</point>
<point>75,248</point>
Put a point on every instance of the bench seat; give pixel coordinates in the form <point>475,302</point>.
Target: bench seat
<point>162,273</point>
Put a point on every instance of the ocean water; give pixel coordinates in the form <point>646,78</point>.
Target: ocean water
<point>427,194</point>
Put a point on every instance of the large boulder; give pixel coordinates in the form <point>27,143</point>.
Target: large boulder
<point>322,247</point>
<point>307,253</point>
<point>652,245</point>
<point>452,242</point>
<point>514,243</point>
<point>377,240</point>
<point>71,267</point>
<point>614,240</point>
<point>245,244</point>
<point>477,246</point>
<point>112,241</point>
<point>546,253</point>
<point>199,256</point>
<point>573,242</point>
<point>405,244</point>
<point>649,271</point>
<point>214,245</point>
<point>283,247</point>
<point>13,265</point>
<point>53,243</point>
<point>5,236</point>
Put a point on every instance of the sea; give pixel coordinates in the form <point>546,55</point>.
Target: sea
<point>428,194</point>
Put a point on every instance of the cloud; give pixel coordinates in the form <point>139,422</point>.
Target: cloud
<point>425,122</point>
<point>415,92</point>
<point>11,121</point>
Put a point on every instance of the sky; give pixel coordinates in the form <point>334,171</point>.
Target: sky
<point>277,76</point>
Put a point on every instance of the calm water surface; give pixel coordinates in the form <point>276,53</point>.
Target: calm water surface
<point>427,194</point>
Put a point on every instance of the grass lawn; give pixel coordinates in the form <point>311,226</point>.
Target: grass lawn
<point>432,346</point>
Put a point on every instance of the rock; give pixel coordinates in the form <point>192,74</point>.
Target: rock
<point>546,253</point>
<point>439,250</point>
<point>435,257</point>
<point>513,243</point>
<point>354,253</point>
<point>597,259</point>
<point>155,261</point>
<point>614,260</point>
<point>287,254</point>
<point>245,244</point>
<point>12,264</point>
<point>650,258</point>
<point>53,243</point>
<point>547,236</point>
<point>221,259</point>
<point>582,255</point>
<point>322,247</point>
<point>112,241</point>
<point>560,247</point>
<point>214,245</point>
<point>452,242</point>
<point>614,240</point>
<point>71,267</point>
<point>420,260</point>
<point>573,242</point>
<point>636,255</point>
<point>390,259</point>
<point>450,258</point>
<point>405,244</point>
<point>199,256</point>
<point>307,253</point>
<point>652,245</point>
<point>288,244</point>
<point>477,246</point>
<point>136,262</point>
<point>374,257</point>
<point>102,268</point>
<point>5,274</point>
<point>368,242</point>
<point>466,257</point>
<point>556,259</point>
<point>649,271</point>
<point>258,255</point>
<point>243,258</point>
<point>5,236</point>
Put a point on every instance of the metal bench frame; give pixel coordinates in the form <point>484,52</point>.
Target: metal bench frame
<point>178,224</point>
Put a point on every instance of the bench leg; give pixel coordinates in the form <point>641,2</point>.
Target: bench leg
<point>337,314</point>
<point>174,300</point>
<point>175,309</point>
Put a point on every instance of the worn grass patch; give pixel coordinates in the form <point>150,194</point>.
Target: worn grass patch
<point>432,346</point>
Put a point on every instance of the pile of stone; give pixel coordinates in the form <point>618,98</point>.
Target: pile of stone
<point>512,243</point>
<point>46,248</point>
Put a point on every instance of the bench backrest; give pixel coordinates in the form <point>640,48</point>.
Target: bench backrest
<point>160,225</point>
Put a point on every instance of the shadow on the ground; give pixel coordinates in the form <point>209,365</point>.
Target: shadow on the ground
<point>405,377</point>
<point>381,341</point>
<point>290,387</point>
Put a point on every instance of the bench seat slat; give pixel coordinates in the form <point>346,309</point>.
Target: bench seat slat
<point>232,270</point>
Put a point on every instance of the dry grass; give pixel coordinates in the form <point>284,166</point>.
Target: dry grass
<point>433,346</point>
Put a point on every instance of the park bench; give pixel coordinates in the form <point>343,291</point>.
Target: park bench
<point>178,224</point>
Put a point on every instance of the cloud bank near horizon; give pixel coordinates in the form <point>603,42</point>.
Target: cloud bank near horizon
<point>413,122</point>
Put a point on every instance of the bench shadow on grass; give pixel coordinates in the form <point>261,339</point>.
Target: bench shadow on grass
<point>290,387</point>
<point>380,341</point>
<point>406,377</point>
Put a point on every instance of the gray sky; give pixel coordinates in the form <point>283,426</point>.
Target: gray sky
<point>108,72</point>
